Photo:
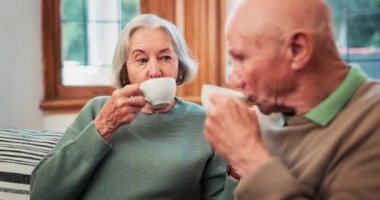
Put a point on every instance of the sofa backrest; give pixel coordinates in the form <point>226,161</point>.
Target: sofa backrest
<point>20,152</point>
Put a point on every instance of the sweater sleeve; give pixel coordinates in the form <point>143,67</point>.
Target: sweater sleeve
<point>356,177</point>
<point>272,180</point>
<point>216,185</point>
<point>65,171</point>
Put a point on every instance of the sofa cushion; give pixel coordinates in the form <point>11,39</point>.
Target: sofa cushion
<point>20,152</point>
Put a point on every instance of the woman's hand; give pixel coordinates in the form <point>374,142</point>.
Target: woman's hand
<point>232,129</point>
<point>122,107</point>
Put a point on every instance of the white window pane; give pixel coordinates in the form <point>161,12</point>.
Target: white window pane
<point>231,5</point>
<point>74,74</point>
<point>357,30</point>
<point>103,10</point>
<point>90,30</point>
<point>102,39</point>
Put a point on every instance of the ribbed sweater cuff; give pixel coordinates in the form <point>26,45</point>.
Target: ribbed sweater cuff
<point>92,146</point>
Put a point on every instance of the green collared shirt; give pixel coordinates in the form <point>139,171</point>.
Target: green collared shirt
<point>325,112</point>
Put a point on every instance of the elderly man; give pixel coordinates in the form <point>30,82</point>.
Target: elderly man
<point>328,144</point>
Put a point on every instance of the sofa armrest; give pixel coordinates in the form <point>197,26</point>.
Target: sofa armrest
<point>20,152</point>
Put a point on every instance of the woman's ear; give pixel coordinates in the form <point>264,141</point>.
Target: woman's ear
<point>181,73</point>
<point>123,76</point>
<point>300,49</point>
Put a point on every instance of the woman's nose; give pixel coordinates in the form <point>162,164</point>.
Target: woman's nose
<point>154,70</point>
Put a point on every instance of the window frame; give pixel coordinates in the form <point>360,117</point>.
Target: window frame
<point>56,95</point>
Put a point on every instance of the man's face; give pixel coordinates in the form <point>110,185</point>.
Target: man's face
<point>259,66</point>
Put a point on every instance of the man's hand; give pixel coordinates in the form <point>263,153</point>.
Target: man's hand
<point>232,129</point>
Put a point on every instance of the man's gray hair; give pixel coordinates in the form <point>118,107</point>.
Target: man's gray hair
<point>188,67</point>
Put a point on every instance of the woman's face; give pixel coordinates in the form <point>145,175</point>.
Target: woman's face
<point>151,55</point>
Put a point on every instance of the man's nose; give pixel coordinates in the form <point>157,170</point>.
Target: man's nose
<point>236,78</point>
<point>155,70</point>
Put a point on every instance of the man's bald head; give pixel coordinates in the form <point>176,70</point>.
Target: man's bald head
<point>278,18</point>
<point>280,49</point>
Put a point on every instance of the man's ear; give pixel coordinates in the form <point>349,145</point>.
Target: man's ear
<point>300,47</point>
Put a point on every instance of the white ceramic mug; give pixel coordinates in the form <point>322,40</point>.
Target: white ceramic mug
<point>159,92</point>
<point>208,89</point>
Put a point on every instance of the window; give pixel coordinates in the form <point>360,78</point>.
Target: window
<point>230,6</point>
<point>357,29</point>
<point>90,30</point>
<point>201,22</point>
<point>79,39</point>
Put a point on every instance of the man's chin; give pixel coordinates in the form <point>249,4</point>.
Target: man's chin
<point>265,109</point>
<point>269,109</point>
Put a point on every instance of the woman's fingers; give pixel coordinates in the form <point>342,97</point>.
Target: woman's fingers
<point>130,90</point>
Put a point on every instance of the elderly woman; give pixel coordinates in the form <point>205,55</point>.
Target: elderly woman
<point>119,147</point>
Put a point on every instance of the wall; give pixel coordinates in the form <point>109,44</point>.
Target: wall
<point>21,68</point>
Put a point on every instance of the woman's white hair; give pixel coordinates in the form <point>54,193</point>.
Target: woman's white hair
<point>187,68</point>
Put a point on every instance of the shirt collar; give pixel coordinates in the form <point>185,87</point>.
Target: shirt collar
<point>324,112</point>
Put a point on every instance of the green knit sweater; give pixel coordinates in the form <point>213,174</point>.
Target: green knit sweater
<point>159,156</point>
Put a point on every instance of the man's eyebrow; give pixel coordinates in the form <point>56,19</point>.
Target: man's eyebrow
<point>233,52</point>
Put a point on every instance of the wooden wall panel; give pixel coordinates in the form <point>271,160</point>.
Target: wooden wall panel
<point>195,34</point>
<point>163,8</point>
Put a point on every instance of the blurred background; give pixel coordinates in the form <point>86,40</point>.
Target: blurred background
<point>55,55</point>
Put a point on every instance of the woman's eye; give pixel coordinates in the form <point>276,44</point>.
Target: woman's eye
<point>166,58</point>
<point>141,60</point>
